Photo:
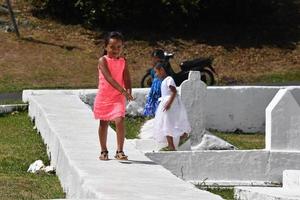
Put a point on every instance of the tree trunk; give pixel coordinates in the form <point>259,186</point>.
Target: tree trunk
<point>13,19</point>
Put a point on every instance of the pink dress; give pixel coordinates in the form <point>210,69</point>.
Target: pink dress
<point>109,102</point>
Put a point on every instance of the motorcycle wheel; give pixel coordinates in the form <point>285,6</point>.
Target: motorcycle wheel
<point>146,80</point>
<point>207,77</point>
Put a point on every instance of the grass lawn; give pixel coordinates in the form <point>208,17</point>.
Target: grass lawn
<point>8,101</point>
<point>132,126</point>
<point>243,141</point>
<point>292,76</point>
<point>225,193</point>
<point>20,145</point>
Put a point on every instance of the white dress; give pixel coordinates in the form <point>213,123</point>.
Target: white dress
<point>173,122</point>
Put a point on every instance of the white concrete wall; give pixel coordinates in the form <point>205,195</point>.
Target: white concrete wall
<point>228,166</point>
<point>283,121</point>
<point>13,107</point>
<point>238,107</point>
<point>226,108</point>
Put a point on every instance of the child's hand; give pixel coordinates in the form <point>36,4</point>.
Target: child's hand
<point>128,96</point>
<point>167,106</point>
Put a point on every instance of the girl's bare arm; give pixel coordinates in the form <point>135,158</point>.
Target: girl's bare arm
<point>127,80</point>
<point>171,99</point>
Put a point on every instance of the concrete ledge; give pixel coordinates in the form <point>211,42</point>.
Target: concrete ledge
<point>12,107</point>
<point>254,166</point>
<point>291,179</point>
<point>265,193</point>
<point>28,93</point>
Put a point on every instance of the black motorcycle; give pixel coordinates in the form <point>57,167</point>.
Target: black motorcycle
<point>204,65</point>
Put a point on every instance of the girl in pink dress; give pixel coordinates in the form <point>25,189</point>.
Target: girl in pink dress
<point>114,87</point>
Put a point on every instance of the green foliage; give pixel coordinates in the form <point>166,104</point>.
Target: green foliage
<point>133,126</point>
<point>163,13</point>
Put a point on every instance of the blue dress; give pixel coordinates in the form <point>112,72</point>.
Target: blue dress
<point>153,96</point>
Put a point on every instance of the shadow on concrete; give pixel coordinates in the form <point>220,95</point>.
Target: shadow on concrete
<point>138,162</point>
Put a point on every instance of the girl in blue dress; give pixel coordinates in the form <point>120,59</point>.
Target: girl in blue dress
<point>155,92</point>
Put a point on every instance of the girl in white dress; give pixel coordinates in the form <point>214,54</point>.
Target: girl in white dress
<point>170,118</point>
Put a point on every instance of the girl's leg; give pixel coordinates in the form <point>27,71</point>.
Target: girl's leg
<point>120,138</point>
<point>171,145</point>
<point>103,134</point>
<point>120,133</point>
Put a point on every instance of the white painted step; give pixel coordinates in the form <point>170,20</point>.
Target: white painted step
<point>265,193</point>
<point>291,179</point>
<point>70,132</point>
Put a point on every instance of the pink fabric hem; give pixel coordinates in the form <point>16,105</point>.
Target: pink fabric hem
<point>108,118</point>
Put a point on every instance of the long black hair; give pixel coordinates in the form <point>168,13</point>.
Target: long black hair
<point>112,35</point>
<point>164,65</point>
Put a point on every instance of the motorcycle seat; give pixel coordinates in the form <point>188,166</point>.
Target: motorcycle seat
<point>188,65</point>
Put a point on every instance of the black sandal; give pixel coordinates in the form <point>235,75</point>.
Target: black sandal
<point>104,155</point>
<point>120,155</point>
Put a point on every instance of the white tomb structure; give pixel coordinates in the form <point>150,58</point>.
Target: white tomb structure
<point>247,108</point>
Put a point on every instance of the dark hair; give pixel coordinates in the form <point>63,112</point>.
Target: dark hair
<point>112,35</point>
<point>161,65</point>
<point>159,53</point>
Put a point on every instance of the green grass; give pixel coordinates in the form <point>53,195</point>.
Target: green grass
<point>243,140</point>
<point>132,126</point>
<point>9,101</point>
<point>291,76</point>
<point>20,145</point>
<point>225,193</point>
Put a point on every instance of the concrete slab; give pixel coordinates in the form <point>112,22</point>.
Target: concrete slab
<point>70,132</point>
<point>265,193</point>
<point>229,166</point>
<point>291,179</point>
<point>12,107</point>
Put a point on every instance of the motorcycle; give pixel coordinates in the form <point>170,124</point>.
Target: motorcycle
<point>204,65</point>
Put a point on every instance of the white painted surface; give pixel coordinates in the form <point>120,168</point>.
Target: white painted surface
<point>193,94</point>
<point>226,108</point>
<point>235,165</point>
<point>265,193</point>
<point>10,108</point>
<point>289,191</point>
<point>283,122</point>
<point>134,107</point>
<point>212,142</point>
<point>291,179</point>
<point>238,107</point>
<point>28,93</point>
<point>70,132</point>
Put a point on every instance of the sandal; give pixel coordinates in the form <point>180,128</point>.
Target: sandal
<point>183,140</point>
<point>120,155</point>
<point>104,155</point>
<point>167,149</point>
